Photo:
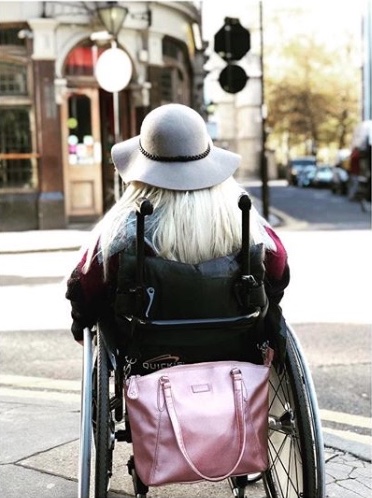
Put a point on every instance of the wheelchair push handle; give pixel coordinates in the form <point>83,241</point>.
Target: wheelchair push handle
<point>144,207</point>
<point>245,205</point>
<point>245,202</point>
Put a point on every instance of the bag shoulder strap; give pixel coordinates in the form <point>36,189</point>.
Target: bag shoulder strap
<point>240,420</point>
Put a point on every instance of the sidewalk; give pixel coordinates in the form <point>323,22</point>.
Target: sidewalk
<point>40,449</point>
<point>39,425</point>
<point>69,239</point>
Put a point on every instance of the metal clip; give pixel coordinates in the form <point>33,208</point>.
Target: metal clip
<point>151,293</point>
<point>128,366</point>
<point>267,352</point>
<point>249,280</point>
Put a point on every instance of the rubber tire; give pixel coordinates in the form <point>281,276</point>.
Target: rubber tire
<point>104,452</point>
<point>296,459</point>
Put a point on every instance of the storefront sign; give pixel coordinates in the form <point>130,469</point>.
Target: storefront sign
<point>113,70</point>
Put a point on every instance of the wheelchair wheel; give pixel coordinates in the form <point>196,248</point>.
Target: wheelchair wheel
<point>296,454</point>
<point>103,423</point>
<point>86,419</point>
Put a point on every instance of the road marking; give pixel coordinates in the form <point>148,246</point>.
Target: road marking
<point>39,383</point>
<point>350,436</point>
<point>45,388</point>
<point>346,418</point>
<point>27,394</point>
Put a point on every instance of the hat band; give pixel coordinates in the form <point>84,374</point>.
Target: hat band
<point>174,158</point>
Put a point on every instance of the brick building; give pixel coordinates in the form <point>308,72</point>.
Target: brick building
<point>57,124</point>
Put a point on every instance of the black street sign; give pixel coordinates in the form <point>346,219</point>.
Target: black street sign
<point>232,41</point>
<point>233,78</point>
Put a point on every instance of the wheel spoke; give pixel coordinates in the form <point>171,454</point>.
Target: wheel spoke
<point>295,465</point>
<point>285,461</point>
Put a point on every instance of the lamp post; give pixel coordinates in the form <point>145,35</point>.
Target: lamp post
<point>112,16</point>
<point>263,161</point>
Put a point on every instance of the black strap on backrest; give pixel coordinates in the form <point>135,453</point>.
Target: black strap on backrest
<point>143,208</point>
<point>245,205</point>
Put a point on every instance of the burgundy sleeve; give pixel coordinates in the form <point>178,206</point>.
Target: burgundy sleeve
<point>277,269</point>
<point>87,293</point>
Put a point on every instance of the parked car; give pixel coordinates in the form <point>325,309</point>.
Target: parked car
<point>305,176</point>
<point>323,177</point>
<point>340,180</point>
<point>297,166</point>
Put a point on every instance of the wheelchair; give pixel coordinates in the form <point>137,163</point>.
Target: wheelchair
<point>295,447</point>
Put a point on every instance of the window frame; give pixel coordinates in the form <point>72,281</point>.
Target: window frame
<point>176,61</point>
<point>20,55</point>
<point>16,156</point>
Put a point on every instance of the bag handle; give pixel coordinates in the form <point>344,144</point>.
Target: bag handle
<point>240,420</point>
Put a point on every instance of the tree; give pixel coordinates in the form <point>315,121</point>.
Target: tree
<point>312,90</point>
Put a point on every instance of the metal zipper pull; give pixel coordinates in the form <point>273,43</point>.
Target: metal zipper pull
<point>132,387</point>
<point>151,293</point>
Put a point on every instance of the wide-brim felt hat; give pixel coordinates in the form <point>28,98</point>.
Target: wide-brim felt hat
<point>174,151</point>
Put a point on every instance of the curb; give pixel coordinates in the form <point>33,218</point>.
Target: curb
<point>35,241</point>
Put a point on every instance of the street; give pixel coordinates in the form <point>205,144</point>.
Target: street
<point>328,240</point>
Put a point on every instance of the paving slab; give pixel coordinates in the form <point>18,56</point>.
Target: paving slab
<point>18,482</point>
<point>347,476</point>
<point>35,421</point>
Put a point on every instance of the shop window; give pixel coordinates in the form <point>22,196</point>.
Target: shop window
<point>13,79</point>
<point>174,49</point>
<point>17,163</point>
<point>9,36</point>
<point>174,78</point>
<point>80,138</point>
<point>171,85</point>
<point>166,87</point>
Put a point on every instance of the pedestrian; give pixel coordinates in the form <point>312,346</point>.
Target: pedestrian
<point>174,164</point>
<point>354,173</point>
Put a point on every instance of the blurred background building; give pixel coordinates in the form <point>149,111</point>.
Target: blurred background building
<point>57,124</point>
<point>308,84</point>
<point>235,119</point>
<point>315,66</point>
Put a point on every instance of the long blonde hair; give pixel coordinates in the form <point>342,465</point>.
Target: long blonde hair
<point>190,226</point>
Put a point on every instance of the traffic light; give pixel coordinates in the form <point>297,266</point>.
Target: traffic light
<point>231,43</point>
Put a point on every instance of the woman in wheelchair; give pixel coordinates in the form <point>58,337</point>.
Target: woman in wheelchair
<point>196,223</point>
<point>184,272</point>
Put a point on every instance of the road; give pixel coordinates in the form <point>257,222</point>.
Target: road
<point>314,209</point>
<point>329,246</point>
<point>328,241</point>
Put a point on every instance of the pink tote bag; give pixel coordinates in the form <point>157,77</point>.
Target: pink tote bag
<point>204,421</point>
